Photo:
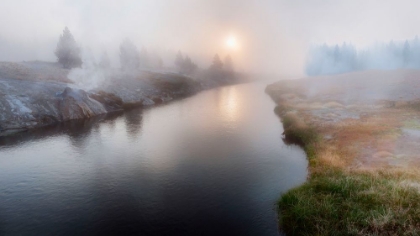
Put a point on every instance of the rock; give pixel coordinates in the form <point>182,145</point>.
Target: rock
<point>110,101</point>
<point>76,104</point>
<point>148,102</point>
<point>35,94</point>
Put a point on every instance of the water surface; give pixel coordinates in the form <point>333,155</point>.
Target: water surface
<point>211,164</point>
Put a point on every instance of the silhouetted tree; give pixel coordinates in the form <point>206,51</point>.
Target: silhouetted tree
<point>179,60</point>
<point>217,63</point>
<point>189,67</point>
<point>216,71</point>
<point>406,53</point>
<point>342,59</point>
<point>129,55</point>
<point>184,64</point>
<point>144,58</point>
<point>67,51</point>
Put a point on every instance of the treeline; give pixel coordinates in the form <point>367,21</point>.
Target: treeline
<point>131,58</point>
<point>325,59</point>
<point>68,55</point>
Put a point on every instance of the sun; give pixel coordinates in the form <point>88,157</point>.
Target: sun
<point>231,42</point>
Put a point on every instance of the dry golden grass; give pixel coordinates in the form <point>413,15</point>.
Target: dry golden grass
<point>298,120</point>
<point>333,105</point>
<point>344,195</point>
<point>353,141</point>
<point>329,157</point>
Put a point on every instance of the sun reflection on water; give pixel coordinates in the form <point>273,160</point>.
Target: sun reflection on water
<point>230,106</point>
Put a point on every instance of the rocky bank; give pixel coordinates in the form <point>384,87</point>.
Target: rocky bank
<point>35,94</point>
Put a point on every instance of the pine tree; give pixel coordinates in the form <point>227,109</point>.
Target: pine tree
<point>179,61</point>
<point>406,53</point>
<point>129,55</point>
<point>189,67</point>
<point>144,58</point>
<point>67,51</point>
<point>217,63</point>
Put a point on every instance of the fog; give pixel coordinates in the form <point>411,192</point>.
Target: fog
<point>273,36</point>
<point>336,59</point>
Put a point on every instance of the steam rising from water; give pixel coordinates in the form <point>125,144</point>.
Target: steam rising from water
<point>89,78</point>
<point>90,75</point>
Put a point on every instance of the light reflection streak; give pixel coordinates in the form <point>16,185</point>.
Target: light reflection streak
<point>230,104</point>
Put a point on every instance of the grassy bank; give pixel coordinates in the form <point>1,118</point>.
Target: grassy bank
<point>341,198</point>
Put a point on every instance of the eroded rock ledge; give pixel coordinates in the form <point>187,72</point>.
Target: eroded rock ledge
<point>29,100</point>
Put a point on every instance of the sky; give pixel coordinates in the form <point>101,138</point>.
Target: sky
<point>272,36</point>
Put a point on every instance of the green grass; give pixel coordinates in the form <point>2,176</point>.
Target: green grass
<point>305,136</point>
<point>335,203</point>
<point>412,124</point>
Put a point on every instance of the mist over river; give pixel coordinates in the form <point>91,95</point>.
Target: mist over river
<point>210,164</point>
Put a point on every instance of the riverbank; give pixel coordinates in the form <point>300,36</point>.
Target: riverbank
<point>188,167</point>
<point>360,133</point>
<point>37,94</point>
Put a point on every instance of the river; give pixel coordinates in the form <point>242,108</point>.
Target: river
<point>210,164</point>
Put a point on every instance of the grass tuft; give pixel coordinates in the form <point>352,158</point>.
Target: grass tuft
<point>337,203</point>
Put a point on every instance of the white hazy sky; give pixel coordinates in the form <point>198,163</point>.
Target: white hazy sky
<point>273,35</point>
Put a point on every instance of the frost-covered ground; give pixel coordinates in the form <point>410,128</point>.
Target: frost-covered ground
<point>375,114</point>
<point>34,94</point>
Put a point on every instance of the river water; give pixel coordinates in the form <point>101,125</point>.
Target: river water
<point>211,164</point>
